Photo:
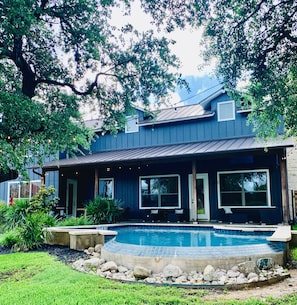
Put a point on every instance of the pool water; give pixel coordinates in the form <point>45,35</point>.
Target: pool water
<point>187,236</point>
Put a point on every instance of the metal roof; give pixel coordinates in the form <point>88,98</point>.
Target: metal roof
<point>175,114</point>
<point>183,150</point>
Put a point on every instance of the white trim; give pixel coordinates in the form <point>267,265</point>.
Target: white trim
<point>204,177</point>
<point>242,172</point>
<point>160,207</point>
<point>232,115</point>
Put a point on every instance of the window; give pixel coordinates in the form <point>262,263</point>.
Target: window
<point>244,189</point>
<point>226,111</point>
<point>160,192</point>
<point>22,189</point>
<point>106,188</point>
<point>131,124</point>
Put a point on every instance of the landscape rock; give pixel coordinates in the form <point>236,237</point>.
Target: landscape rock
<point>109,266</point>
<point>172,271</point>
<point>246,267</point>
<point>141,272</point>
<point>209,273</point>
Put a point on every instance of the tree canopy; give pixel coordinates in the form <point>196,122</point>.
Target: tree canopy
<point>255,43</point>
<point>56,55</point>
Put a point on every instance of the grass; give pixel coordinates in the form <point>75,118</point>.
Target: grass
<point>37,278</point>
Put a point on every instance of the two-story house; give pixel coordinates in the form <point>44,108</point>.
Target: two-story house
<point>192,163</point>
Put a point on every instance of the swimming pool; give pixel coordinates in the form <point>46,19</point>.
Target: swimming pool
<point>172,236</point>
<point>190,247</point>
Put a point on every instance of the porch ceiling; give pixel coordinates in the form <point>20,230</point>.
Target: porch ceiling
<point>171,151</point>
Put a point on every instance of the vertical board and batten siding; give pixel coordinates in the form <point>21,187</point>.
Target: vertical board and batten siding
<point>182,132</point>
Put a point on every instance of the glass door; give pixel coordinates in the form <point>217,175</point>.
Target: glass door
<point>201,210</point>
<point>71,197</point>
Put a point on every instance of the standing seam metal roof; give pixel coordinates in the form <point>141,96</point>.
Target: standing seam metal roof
<point>170,151</point>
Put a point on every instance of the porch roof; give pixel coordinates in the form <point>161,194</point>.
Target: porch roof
<point>184,150</point>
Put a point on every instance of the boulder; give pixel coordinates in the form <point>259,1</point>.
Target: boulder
<point>246,267</point>
<point>172,271</point>
<point>109,266</point>
<point>209,273</point>
<point>93,262</point>
<point>141,273</point>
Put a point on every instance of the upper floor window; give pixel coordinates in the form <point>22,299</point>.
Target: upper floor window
<point>131,124</point>
<point>22,189</point>
<point>160,192</point>
<point>226,111</point>
<point>244,189</point>
<point>106,188</point>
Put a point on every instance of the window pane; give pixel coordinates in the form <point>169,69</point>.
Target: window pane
<point>256,199</point>
<point>149,201</point>
<point>106,188</point>
<point>230,182</point>
<point>226,111</point>
<point>25,190</point>
<point>255,182</point>
<point>169,200</point>
<point>231,199</point>
<point>35,186</point>
<point>14,190</point>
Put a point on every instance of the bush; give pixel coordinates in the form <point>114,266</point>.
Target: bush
<point>3,210</point>
<point>74,221</point>
<point>26,220</point>
<point>10,239</point>
<point>102,210</point>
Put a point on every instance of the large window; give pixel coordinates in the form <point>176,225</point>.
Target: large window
<point>244,189</point>
<point>22,189</point>
<point>106,188</point>
<point>160,192</point>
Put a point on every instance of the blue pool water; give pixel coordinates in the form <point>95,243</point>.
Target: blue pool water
<point>170,236</point>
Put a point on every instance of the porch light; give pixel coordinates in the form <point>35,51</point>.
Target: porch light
<point>108,169</point>
<point>120,167</point>
<point>76,173</point>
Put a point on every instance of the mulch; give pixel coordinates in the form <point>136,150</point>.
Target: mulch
<point>63,254</point>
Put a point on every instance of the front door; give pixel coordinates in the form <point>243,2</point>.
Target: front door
<point>71,197</point>
<point>202,193</point>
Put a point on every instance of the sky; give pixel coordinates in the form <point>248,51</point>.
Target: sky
<point>188,49</point>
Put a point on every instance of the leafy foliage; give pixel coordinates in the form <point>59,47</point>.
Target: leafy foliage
<point>102,210</point>
<point>255,42</point>
<point>74,221</point>
<point>56,56</point>
<point>26,219</point>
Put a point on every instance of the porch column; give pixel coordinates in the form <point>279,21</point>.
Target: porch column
<point>96,183</point>
<point>285,195</point>
<point>194,190</point>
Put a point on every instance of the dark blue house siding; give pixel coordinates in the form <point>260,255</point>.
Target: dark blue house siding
<point>195,130</point>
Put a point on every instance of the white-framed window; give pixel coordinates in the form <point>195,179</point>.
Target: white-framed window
<point>226,111</point>
<point>244,189</point>
<point>159,192</point>
<point>22,189</point>
<point>131,124</point>
<point>106,188</point>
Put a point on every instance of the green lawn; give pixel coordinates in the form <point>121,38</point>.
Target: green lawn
<point>37,278</point>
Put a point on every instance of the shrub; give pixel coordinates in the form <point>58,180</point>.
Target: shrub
<point>3,210</point>
<point>74,221</point>
<point>102,210</point>
<point>10,238</point>
<point>26,220</point>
